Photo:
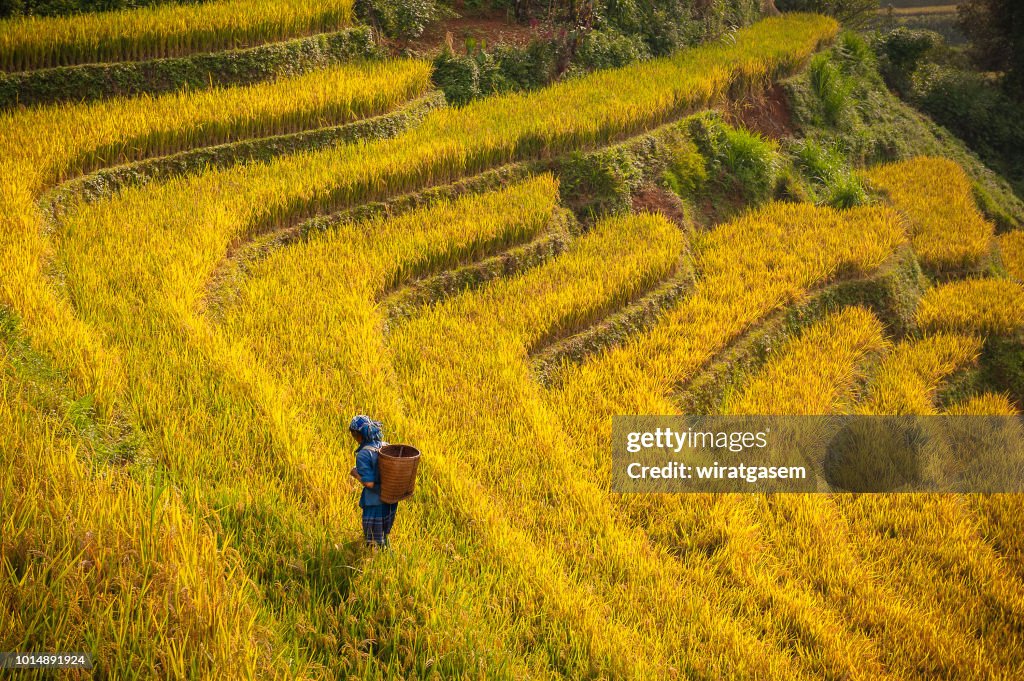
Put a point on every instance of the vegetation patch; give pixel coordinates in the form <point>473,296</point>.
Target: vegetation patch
<point>875,127</point>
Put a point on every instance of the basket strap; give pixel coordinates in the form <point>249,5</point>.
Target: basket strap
<point>376,468</point>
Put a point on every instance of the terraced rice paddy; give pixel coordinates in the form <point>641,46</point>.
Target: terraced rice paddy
<point>179,356</point>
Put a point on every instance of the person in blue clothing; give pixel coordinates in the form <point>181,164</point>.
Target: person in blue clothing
<point>378,517</point>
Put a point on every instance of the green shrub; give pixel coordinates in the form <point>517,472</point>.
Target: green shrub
<point>826,167</point>
<point>904,48</point>
<point>601,182</point>
<point>996,32</point>
<point>609,49</point>
<point>855,55</point>
<point>530,67</point>
<point>686,171</point>
<point>846,191</point>
<point>736,158</point>
<point>752,160</point>
<point>402,19</point>
<point>457,76</point>
<point>976,111</point>
<point>490,77</point>
<point>830,87</point>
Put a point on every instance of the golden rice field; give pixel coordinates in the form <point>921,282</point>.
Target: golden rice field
<point>179,358</point>
<point>170,30</point>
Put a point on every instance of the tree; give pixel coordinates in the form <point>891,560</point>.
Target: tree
<point>996,31</point>
<point>850,12</point>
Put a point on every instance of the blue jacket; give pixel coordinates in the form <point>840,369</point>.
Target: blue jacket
<point>366,466</point>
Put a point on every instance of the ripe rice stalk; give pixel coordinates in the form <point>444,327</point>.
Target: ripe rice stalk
<point>984,306</point>
<point>985,404</point>
<point>1011,248</point>
<point>948,230</point>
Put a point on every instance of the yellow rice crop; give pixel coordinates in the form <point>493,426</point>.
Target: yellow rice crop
<point>1011,248</point>
<point>103,534</point>
<point>50,144</point>
<point>813,374</point>
<point>986,404</point>
<point>986,306</point>
<point>168,30</point>
<point>910,375</point>
<point>463,369</point>
<point>446,146</point>
<point>42,146</point>
<point>948,230</point>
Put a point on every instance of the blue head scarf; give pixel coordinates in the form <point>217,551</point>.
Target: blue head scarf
<point>368,429</point>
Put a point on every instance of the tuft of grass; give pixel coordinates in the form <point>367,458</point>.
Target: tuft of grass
<point>752,160</point>
<point>846,191</point>
<point>830,87</point>
<point>738,160</point>
<point>686,172</point>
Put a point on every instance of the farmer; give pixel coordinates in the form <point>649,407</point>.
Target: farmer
<point>377,515</point>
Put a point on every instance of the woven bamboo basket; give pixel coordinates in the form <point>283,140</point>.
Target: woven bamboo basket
<point>397,465</point>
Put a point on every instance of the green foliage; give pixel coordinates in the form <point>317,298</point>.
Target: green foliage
<point>458,77</point>
<point>665,26</point>
<point>878,127</point>
<point>996,32</point>
<point>600,183</point>
<point>1003,363</point>
<point>609,49</point>
<point>904,48</point>
<point>819,162</point>
<point>752,160</point>
<point>846,191</point>
<point>830,86</point>
<point>464,78</point>
<point>530,67</point>
<point>854,53</point>
<point>918,65</point>
<point>832,180</point>
<point>609,36</point>
<point>976,111</point>
<point>401,19</point>
<point>850,12</point>
<point>738,159</point>
<point>686,170</point>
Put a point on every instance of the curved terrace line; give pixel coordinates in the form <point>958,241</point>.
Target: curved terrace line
<point>107,181</point>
